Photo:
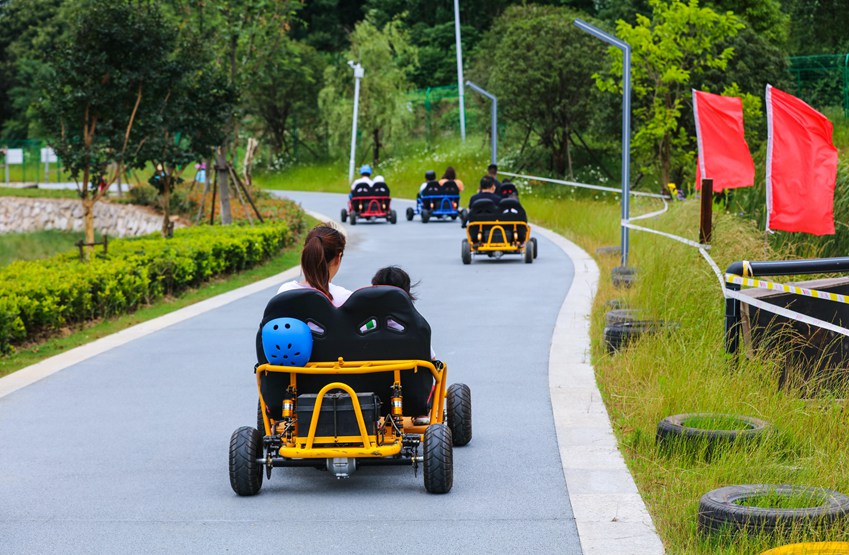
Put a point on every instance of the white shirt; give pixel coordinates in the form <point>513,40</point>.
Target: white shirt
<point>340,294</point>
<point>364,179</point>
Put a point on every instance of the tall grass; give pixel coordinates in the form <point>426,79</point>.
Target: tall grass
<point>682,370</point>
<point>36,244</point>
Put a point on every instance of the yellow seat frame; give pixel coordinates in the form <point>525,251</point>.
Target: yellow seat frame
<point>489,245</point>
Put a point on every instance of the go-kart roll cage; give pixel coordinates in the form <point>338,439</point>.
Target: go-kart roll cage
<point>486,244</point>
<point>437,204</point>
<point>373,446</point>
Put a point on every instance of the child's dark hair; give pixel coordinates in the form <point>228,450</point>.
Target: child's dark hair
<point>394,276</point>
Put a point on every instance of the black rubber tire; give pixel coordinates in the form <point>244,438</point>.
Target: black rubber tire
<point>245,472</point>
<point>466,252</point>
<point>410,214</point>
<point>529,253</point>
<point>464,218</point>
<point>425,216</point>
<point>393,217</point>
<point>536,247</point>
<point>344,215</point>
<point>615,304</point>
<point>453,217</point>
<point>672,430</point>
<point>617,336</point>
<point>608,250</point>
<point>438,459</point>
<point>623,315</point>
<point>353,218</point>
<point>458,401</point>
<point>720,509</point>
<point>624,276</point>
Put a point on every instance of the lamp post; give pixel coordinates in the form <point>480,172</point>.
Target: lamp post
<point>358,74</point>
<point>459,69</point>
<point>493,151</point>
<point>626,124</point>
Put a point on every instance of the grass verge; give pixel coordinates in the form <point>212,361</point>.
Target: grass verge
<point>36,244</point>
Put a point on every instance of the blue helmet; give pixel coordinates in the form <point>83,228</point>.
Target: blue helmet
<point>365,170</point>
<point>287,342</point>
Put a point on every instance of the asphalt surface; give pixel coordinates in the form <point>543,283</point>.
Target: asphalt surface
<point>128,450</point>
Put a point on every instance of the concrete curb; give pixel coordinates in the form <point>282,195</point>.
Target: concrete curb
<point>609,512</point>
<point>47,367</point>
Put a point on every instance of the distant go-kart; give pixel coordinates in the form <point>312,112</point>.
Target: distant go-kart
<point>369,202</point>
<point>496,230</point>
<point>437,201</point>
<point>369,394</point>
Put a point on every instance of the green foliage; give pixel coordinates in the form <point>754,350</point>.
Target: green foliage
<point>388,59</point>
<point>40,297</point>
<point>34,244</point>
<point>670,51</point>
<point>817,27</point>
<point>548,101</point>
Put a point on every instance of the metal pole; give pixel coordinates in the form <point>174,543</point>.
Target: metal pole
<point>626,123</point>
<point>459,69</point>
<point>358,74</point>
<point>494,123</point>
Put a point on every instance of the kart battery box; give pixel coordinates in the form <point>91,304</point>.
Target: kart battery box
<point>337,417</point>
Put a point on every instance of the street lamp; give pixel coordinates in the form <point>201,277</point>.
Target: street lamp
<point>358,74</point>
<point>626,124</point>
<point>459,69</point>
<point>493,150</point>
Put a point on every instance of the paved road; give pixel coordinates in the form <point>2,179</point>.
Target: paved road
<point>128,450</point>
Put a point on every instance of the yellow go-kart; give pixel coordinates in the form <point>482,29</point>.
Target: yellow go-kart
<point>495,230</point>
<point>369,395</point>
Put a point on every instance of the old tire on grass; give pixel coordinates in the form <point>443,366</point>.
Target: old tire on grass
<point>724,508</point>
<point>245,471</point>
<point>608,250</point>
<point>624,276</point>
<point>622,315</point>
<point>675,429</point>
<point>458,401</point>
<point>438,459</point>
<point>617,336</point>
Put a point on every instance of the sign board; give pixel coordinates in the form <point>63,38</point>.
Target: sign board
<point>48,156</point>
<point>15,156</point>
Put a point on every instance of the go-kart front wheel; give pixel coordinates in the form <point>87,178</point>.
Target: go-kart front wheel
<point>393,217</point>
<point>245,471</point>
<point>410,214</point>
<point>466,252</point>
<point>438,459</point>
<point>353,218</point>
<point>458,401</point>
<point>344,215</point>
<point>425,216</point>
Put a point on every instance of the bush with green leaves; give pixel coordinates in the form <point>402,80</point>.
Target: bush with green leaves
<point>40,297</point>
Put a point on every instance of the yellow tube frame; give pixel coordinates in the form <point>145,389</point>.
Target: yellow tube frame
<point>342,367</point>
<point>503,246</point>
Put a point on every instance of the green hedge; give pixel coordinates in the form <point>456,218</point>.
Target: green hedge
<point>42,296</point>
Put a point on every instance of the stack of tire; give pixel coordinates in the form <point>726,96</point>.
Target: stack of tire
<point>624,325</point>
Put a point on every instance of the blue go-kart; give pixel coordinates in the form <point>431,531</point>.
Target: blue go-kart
<point>438,201</point>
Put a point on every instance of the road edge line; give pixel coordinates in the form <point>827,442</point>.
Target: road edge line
<point>609,512</point>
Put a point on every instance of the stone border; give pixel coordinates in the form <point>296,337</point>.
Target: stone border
<point>609,512</point>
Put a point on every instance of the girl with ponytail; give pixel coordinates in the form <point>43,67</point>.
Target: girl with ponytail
<point>320,260</point>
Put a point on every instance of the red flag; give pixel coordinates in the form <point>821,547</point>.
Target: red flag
<point>801,166</point>
<point>723,153</point>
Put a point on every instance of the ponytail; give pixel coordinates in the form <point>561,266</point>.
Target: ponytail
<point>322,245</point>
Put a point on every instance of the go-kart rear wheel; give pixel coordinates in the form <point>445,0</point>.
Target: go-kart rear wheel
<point>529,252</point>
<point>393,217</point>
<point>353,218</point>
<point>536,247</point>
<point>438,459</point>
<point>425,216</point>
<point>245,472</point>
<point>458,401</point>
<point>410,214</point>
<point>453,217</point>
<point>466,252</point>
<point>344,215</point>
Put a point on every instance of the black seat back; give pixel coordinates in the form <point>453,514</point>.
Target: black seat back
<point>507,189</point>
<point>362,190</point>
<point>482,210</point>
<point>450,188</point>
<point>510,210</point>
<point>380,189</point>
<point>341,336</point>
<point>433,188</point>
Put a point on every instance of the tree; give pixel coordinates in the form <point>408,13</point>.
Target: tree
<point>388,59</point>
<point>670,52</point>
<point>283,95</point>
<point>108,64</point>
<point>548,100</point>
<point>187,120</point>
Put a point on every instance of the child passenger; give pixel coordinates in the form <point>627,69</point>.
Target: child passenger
<point>396,277</point>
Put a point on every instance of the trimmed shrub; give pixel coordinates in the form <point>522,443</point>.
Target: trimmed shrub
<point>41,296</point>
